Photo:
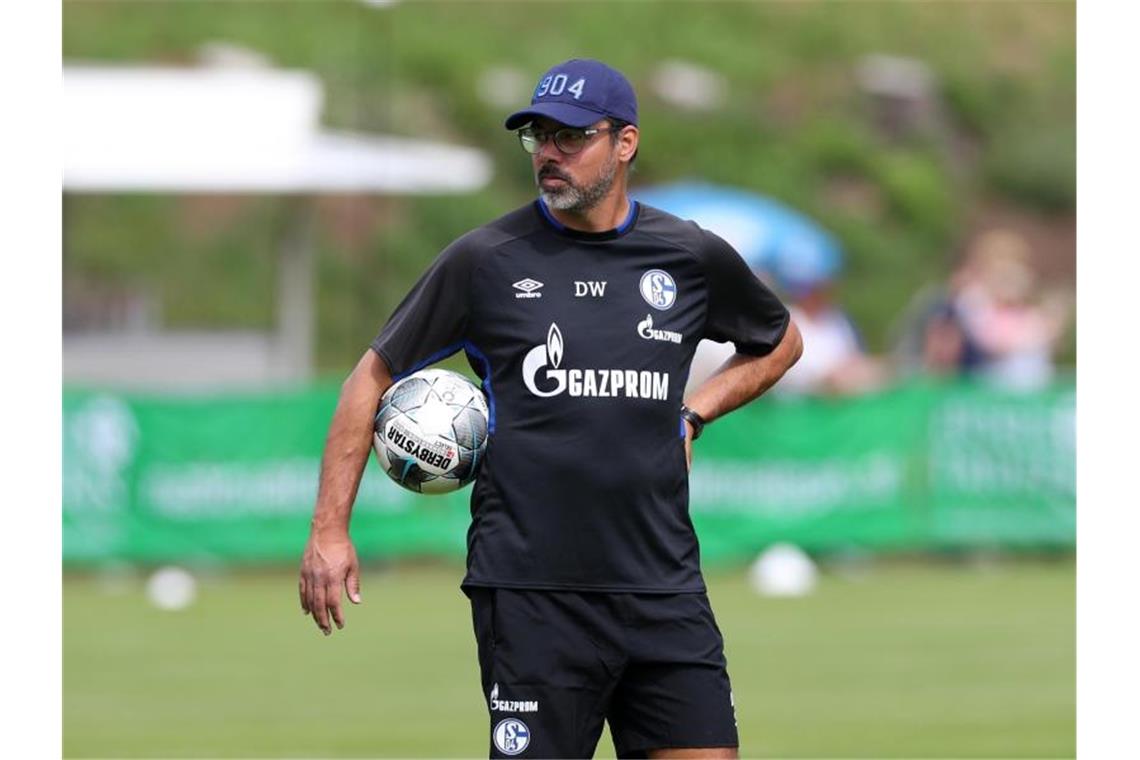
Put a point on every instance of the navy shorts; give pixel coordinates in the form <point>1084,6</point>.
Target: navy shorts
<point>556,664</point>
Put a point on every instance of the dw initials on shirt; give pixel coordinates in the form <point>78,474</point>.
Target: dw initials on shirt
<point>589,288</point>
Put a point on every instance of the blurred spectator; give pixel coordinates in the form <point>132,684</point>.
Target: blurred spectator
<point>1002,313</point>
<point>992,321</point>
<point>834,361</point>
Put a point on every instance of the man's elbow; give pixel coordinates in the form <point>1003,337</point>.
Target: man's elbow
<point>795,345</point>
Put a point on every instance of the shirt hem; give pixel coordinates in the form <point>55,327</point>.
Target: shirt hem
<point>376,349</point>
<point>699,588</point>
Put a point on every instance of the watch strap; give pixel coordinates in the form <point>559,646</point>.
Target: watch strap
<point>696,420</point>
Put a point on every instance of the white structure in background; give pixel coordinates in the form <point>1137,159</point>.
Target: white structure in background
<point>504,86</point>
<point>229,130</point>
<point>242,130</point>
<point>903,94</point>
<point>689,86</point>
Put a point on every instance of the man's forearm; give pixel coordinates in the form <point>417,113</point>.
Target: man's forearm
<point>349,443</point>
<point>743,378</point>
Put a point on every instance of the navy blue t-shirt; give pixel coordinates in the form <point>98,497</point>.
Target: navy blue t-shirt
<point>583,342</point>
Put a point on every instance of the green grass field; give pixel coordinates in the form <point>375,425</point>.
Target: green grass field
<point>905,659</point>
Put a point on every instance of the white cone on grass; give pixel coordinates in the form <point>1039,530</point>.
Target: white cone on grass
<point>171,588</point>
<point>783,570</point>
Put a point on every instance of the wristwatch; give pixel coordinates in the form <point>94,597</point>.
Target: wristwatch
<point>696,420</point>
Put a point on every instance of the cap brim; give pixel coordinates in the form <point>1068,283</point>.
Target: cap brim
<point>563,113</point>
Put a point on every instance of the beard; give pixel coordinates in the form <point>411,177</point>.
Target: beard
<point>575,197</point>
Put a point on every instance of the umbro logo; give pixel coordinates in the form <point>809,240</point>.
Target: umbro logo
<point>528,287</point>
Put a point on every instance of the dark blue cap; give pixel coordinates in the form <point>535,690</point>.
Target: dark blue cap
<point>577,93</point>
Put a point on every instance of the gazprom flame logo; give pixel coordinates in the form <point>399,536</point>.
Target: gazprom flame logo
<point>554,345</point>
<point>587,383</point>
<point>539,357</point>
<point>646,330</point>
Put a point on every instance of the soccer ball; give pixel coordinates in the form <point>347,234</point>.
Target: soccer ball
<point>430,431</point>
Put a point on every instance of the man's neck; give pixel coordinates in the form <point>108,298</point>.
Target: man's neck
<point>608,214</point>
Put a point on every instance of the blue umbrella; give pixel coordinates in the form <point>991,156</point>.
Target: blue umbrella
<point>770,236</point>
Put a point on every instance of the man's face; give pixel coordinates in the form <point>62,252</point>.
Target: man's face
<point>575,182</point>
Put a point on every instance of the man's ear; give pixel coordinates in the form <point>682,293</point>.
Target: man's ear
<point>627,143</point>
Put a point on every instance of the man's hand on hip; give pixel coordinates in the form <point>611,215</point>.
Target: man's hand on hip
<point>328,565</point>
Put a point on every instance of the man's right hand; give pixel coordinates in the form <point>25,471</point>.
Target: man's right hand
<point>328,565</point>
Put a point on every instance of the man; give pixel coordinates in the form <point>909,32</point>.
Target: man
<point>580,312</point>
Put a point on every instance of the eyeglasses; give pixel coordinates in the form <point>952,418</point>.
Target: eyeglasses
<point>566,139</point>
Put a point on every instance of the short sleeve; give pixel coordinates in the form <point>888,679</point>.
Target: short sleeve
<point>431,322</point>
<point>741,308</point>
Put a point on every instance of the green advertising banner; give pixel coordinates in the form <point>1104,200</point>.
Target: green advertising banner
<point>233,478</point>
